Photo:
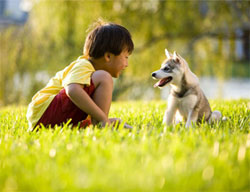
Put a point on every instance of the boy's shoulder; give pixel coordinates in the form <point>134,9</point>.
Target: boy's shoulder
<point>79,66</point>
<point>81,62</point>
<point>79,71</point>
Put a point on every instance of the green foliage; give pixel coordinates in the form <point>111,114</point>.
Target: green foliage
<point>150,157</point>
<point>54,36</point>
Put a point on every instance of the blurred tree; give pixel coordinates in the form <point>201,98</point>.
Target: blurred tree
<point>55,32</point>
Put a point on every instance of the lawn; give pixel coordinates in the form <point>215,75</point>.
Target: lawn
<point>151,157</point>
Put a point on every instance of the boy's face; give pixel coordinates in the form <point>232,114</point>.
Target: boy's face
<point>118,63</point>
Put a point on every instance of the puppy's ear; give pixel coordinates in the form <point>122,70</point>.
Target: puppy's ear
<point>167,54</point>
<point>176,57</point>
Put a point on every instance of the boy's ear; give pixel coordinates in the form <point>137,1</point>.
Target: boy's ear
<point>107,56</point>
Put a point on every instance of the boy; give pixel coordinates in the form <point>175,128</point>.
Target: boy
<point>85,86</point>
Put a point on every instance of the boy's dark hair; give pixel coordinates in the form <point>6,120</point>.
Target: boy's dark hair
<point>107,37</point>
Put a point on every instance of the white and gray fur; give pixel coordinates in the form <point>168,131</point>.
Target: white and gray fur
<point>186,96</point>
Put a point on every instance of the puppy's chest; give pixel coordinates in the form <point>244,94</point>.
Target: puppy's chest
<point>185,104</point>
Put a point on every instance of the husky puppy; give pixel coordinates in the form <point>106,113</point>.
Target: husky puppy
<point>186,96</point>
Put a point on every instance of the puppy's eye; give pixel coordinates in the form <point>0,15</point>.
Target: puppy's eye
<point>166,69</point>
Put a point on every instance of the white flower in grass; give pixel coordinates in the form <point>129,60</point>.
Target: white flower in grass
<point>216,149</point>
<point>248,140</point>
<point>208,173</point>
<point>52,153</point>
<point>69,147</point>
<point>241,153</point>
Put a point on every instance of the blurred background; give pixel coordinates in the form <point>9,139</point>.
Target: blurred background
<point>40,37</point>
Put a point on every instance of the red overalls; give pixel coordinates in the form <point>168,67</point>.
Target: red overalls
<point>61,109</point>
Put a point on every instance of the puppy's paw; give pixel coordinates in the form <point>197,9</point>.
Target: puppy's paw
<point>224,118</point>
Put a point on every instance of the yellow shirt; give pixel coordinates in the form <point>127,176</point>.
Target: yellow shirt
<point>78,71</point>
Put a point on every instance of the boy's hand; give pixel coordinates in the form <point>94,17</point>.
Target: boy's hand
<point>114,120</point>
<point>82,100</point>
<point>111,121</point>
<point>103,123</point>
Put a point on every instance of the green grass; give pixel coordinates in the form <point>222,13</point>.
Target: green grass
<point>151,157</point>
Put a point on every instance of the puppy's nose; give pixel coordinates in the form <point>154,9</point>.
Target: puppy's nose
<point>153,74</point>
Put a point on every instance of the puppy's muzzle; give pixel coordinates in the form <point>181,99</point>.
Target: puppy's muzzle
<point>154,74</point>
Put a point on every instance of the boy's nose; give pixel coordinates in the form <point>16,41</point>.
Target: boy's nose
<point>126,65</point>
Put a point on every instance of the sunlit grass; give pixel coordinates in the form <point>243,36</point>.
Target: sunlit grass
<point>151,157</point>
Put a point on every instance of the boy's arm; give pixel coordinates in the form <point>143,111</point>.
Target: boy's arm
<point>82,100</point>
